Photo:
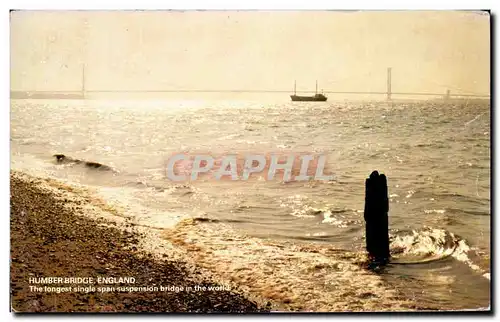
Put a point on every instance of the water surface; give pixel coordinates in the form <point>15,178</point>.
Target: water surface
<point>436,157</point>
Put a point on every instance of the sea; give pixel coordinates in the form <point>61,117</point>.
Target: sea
<point>297,243</point>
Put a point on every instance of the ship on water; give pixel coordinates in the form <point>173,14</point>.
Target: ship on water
<point>315,98</point>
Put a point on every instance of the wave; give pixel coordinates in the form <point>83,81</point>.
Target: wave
<point>292,275</point>
<point>458,197</point>
<point>430,244</point>
<point>413,247</point>
<point>469,212</point>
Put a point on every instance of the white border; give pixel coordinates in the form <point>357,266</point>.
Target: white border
<point>181,5</point>
<point>256,4</point>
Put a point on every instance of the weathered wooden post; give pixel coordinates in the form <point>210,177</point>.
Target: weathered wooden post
<point>376,217</point>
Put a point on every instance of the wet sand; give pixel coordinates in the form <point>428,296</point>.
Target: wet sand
<point>49,240</point>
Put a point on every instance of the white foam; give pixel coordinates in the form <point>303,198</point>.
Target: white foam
<point>436,211</point>
<point>329,218</point>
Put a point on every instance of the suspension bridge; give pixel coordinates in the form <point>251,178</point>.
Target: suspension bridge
<point>388,92</point>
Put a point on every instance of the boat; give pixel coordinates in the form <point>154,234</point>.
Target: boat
<point>315,98</point>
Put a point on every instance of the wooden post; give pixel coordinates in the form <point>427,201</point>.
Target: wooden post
<point>376,217</point>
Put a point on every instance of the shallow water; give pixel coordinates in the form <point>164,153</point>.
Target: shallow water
<point>436,157</point>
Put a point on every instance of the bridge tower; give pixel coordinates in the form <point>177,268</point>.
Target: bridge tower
<point>447,96</point>
<point>389,83</point>
<point>83,81</point>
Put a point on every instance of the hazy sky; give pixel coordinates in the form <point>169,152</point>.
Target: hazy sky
<point>427,51</point>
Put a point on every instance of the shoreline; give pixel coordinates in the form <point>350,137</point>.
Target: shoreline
<point>49,240</point>
<point>66,230</point>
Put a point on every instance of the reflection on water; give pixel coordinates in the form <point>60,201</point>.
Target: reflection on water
<point>436,158</point>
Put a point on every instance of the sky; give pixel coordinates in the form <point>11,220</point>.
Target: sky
<point>428,51</point>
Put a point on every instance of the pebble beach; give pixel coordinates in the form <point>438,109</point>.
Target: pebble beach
<point>48,240</point>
